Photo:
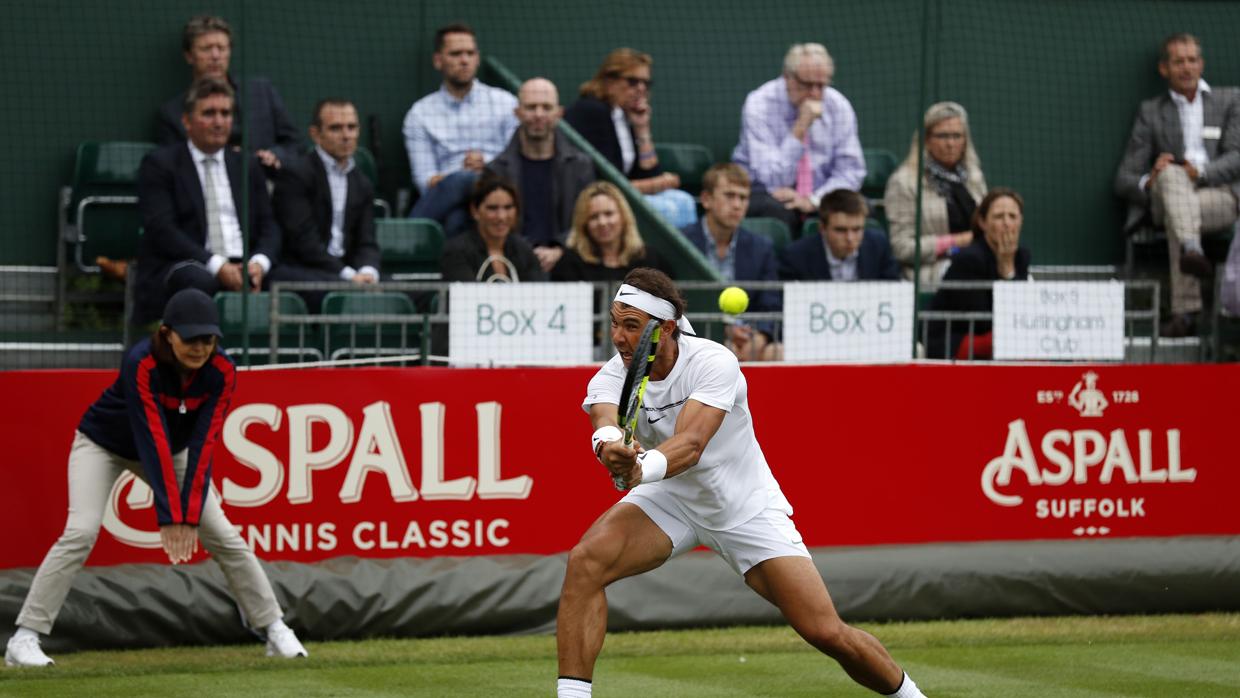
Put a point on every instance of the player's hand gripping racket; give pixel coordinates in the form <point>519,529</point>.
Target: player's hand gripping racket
<point>635,385</point>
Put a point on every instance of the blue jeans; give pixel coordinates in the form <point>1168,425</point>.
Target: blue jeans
<point>448,202</point>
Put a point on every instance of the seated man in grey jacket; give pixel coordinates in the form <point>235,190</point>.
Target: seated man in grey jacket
<point>548,171</point>
<point>1182,168</point>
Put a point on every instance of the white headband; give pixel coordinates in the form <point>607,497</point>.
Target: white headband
<point>652,305</point>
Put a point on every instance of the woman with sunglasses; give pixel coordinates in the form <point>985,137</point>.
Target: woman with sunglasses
<point>952,184</point>
<point>613,114</point>
<point>160,420</point>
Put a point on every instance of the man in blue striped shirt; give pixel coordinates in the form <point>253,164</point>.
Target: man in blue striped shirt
<point>453,132</point>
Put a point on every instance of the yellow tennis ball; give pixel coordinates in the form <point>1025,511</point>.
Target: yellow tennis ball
<point>733,300</point>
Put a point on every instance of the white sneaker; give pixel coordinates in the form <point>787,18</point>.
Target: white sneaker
<point>25,651</point>
<point>282,642</point>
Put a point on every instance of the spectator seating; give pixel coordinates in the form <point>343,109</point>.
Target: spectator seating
<point>375,338</point>
<point>365,161</point>
<point>410,247</point>
<point>251,312</point>
<point>688,160</point>
<point>99,208</point>
<point>773,229</point>
<point>879,166</point>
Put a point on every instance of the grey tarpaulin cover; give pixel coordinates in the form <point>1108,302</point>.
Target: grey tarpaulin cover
<point>155,605</point>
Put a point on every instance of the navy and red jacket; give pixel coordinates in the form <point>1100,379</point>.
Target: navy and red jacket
<point>150,413</point>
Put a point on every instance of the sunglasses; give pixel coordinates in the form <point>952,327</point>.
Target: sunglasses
<point>635,81</point>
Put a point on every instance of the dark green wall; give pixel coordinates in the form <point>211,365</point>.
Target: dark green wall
<point>1051,85</point>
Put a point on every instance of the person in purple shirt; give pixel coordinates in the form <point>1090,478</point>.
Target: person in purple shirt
<point>161,420</point>
<point>799,138</point>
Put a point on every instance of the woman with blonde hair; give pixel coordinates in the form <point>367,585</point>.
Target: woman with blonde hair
<point>952,184</point>
<point>603,244</point>
<point>613,114</point>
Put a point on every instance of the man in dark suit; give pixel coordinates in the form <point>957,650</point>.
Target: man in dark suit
<point>1182,167</point>
<point>845,250</point>
<point>207,43</point>
<point>738,255</point>
<point>324,204</point>
<point>192,209</point>
<point>548,171</point>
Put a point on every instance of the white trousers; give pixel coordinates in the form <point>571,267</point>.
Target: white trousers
<point>92,472</point>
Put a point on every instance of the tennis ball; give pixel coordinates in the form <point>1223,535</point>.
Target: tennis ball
<point>733,300</point>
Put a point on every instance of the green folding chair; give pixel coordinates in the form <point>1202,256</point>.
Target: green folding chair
<point>250,313</point>
<point>688,160</point>
<point>99,215</point>
<point>410,248</point>
<point>773,229</point>
<point>373,338</point>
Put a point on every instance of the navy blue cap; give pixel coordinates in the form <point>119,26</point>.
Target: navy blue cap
<point>191,313</point>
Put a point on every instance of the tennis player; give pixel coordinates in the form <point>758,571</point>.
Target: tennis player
<point>696,476</point>
<point>160,420</point>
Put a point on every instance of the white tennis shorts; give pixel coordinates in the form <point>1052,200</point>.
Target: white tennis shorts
<point>767,535</point>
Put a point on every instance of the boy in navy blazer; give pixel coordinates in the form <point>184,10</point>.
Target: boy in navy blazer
<point>738,255</point>
<point>844,250</point>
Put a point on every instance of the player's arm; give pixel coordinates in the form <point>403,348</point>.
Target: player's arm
<point>621,460</point>
<point>695,427</point>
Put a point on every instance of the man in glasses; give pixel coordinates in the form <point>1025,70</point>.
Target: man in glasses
<point>799,138</point>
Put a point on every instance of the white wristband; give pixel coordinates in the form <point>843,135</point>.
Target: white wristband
<point>604,435</point>
<point>654,465</point>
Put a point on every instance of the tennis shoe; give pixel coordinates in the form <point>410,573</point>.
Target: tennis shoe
<point>25,651</point>
<point>283,642</point>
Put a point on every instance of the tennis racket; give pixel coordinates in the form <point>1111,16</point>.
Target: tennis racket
<point>635,380</point>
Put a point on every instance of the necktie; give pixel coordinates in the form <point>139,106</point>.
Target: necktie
<point>215,230</point>
<point>805,175</point>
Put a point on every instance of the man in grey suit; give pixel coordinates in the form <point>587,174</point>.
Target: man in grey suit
<point>1182,165</point>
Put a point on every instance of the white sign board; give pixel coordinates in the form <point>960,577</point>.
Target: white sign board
<point>502,323</point>
<point>855,321</point>
<point>1059,320</point>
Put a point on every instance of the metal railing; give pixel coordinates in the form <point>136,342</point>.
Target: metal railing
<point>420,337</point>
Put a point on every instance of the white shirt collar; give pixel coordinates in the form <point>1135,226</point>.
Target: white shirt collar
<point>1202,86</point>
<point>199,156</point>
<point>331,164</point>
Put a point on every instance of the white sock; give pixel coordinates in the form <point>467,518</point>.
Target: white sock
<point>572,688</point>
<point>907,689</point>
<point>278,625</point>
<point>1192,246</point>
<point>23,631</point>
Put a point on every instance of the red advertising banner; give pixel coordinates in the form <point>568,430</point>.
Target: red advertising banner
<point>428,461</point>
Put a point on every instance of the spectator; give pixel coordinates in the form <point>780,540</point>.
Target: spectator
<point>190,203</point>
<point>799,138</point>
<point>604,244</point>
<point>738,255</point>
<point>845,251</point>
<point>547,170</point>
<point>490,252</point>
<point>1181,169</point>
<point>325,206</point>
<point>207,43</point>
<point>994,255</point>
<point>613,114</point>
<point>951,186</point>
<point>453,132</point>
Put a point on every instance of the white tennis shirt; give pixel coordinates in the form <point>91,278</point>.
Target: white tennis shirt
<point>731,482</point>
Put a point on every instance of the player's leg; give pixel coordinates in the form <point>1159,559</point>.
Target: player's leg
<point>624,541</point>
<point>793,584</point>
<point>92,472</point>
